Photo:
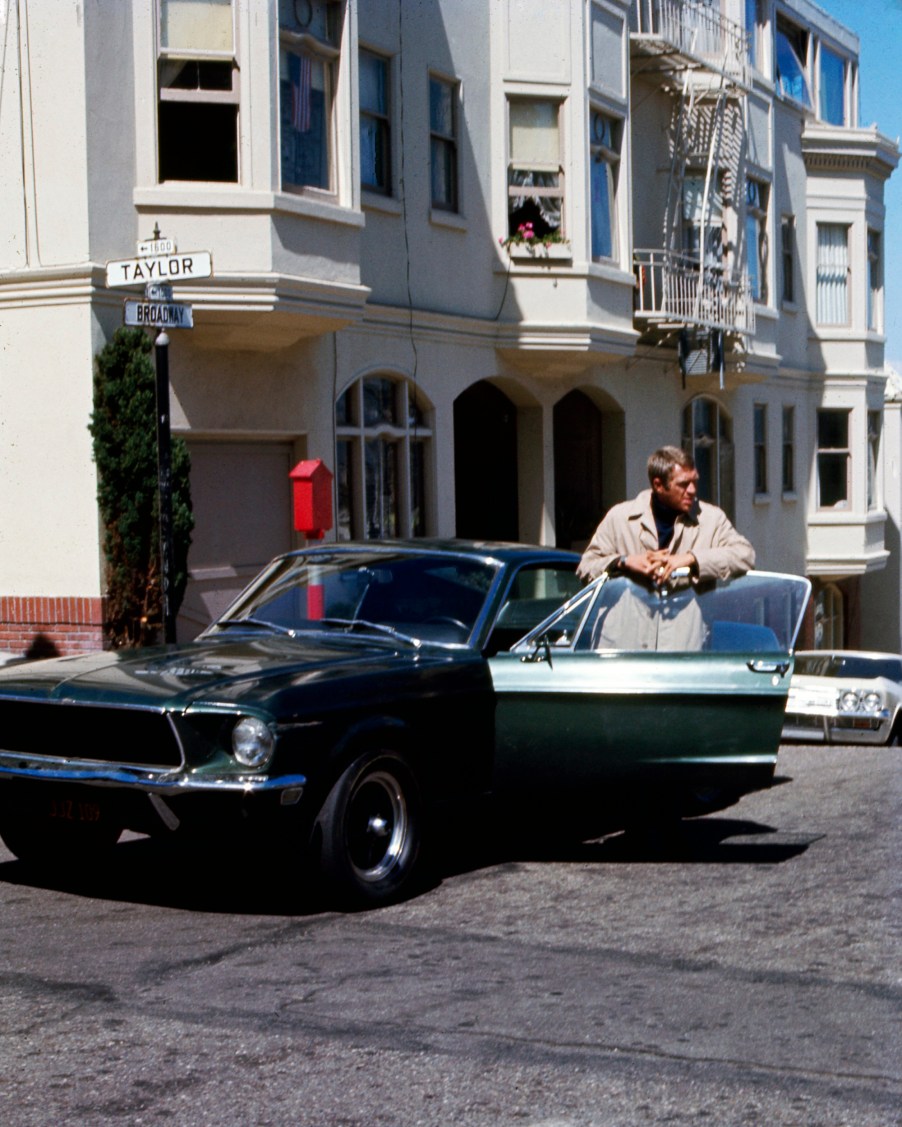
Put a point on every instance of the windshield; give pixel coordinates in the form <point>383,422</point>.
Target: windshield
<point>432,598</point>
<point>759,612</point>
<point>841,665</point>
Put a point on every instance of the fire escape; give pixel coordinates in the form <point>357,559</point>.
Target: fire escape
<point>691,290</point>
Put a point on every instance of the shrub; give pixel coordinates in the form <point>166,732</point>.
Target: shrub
<point>123,427</point>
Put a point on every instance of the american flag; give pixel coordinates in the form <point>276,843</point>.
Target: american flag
<point>301,74</point>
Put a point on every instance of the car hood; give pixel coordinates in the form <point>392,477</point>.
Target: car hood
<point>220,667</point>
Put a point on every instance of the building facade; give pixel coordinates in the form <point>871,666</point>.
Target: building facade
<point>478,256</point>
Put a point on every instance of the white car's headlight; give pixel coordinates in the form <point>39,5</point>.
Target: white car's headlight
<point>252,742</point>
<point>848,701</point>
<point>871,702</point>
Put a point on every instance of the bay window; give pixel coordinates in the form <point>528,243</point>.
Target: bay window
<point>875,282</point>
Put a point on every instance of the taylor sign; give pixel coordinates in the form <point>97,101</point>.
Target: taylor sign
<point>179,267</point>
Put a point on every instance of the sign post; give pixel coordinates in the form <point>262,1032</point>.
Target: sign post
<point>159,264</point>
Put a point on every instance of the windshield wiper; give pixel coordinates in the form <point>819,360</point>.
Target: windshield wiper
<point>379,627</point>
<point>260,623</point>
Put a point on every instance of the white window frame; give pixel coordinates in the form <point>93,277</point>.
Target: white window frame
<point>553,195</point>
<point>306,44</point>
<point>829,454</point>
<point>173,61</point>
<point>447,143</point>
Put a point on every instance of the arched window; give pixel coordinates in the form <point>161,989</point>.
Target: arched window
<point>708,437</point>
<point>828,619</point>
<point>382,457</point>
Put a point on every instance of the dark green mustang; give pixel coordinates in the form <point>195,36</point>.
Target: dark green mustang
<point>354,691</point>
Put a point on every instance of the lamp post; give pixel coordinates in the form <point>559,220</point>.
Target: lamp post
<point>164,467</point>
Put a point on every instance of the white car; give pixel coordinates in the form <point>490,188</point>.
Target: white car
<point>845,696</point>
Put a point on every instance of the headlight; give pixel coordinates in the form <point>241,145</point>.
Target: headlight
<point>848,701</point>
<point>871,702</point>
<point>252,742</point>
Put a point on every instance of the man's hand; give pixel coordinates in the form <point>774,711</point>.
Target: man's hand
<point>658,565</point>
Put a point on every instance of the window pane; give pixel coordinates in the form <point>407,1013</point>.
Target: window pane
<point>791,58</point>
<point>198,141</point>
<point>833,430</point>
<point>344,484</point>
<point>534,133</point>
<point>444,173</point>
<point>373,74</point>
<point>832,87</point>
<point>441,108</point>
<point>602,209</point>
<point>196,25</point>
<point>378,402</point>
<point>304,115</point>
<point>832,274</point>
<point>832,479</point>
<point>381,489</point>
<point>417,489</point>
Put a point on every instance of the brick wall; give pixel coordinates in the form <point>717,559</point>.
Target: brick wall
<point>46,627</point>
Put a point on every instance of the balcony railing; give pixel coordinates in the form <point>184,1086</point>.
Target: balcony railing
<point>675,289</point>
<point>697,30</point>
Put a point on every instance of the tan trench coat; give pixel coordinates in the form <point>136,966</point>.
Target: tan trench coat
<point>629,529</point>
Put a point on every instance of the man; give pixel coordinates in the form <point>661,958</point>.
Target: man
<point>667,527</point>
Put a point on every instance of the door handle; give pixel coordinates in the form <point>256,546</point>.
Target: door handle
<point>760,666</point>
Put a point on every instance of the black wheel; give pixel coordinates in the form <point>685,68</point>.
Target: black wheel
<point>370,830</point>
<point>58,844</point>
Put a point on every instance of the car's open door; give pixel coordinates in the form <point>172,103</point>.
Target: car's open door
<point>626,684</point>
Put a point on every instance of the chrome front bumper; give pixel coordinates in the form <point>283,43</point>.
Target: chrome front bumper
<point>148,780</point>
<point>838,727</point>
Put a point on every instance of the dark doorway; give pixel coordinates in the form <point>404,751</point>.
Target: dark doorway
<point>485,464</point>
<point>577,470</point>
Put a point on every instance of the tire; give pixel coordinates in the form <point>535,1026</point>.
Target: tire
<point>370,831</point>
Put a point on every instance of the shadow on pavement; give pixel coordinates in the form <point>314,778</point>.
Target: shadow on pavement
<point>153,872</point>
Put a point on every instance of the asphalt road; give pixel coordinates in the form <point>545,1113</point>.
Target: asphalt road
<point>746,973</point>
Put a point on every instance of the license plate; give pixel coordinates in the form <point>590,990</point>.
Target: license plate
<point>73,810</point>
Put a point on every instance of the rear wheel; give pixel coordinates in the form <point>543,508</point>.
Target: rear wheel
<point>370,830</point>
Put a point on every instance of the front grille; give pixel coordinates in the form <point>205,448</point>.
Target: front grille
<point>132,737</point>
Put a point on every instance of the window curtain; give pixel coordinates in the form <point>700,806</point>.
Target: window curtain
<point>832,274</point>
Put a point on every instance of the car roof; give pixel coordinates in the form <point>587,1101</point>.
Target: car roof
<point>500,550</point>
<point>874,655</point>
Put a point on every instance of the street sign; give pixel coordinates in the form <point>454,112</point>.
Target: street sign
<point>156,246</point>
<point>185,265</point>
<point>159,315</point>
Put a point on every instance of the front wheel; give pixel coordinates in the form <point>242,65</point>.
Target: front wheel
<point>370,830</point>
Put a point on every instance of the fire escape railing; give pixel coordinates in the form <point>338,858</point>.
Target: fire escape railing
<point>675,289</point>
<point>698,30</point>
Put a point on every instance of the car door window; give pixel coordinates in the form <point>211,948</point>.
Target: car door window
<point>534,594</point>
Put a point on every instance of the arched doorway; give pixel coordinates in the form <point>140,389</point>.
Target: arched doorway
<point>485,464</point>
<point>578,505</point>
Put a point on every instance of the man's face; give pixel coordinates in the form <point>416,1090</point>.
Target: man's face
<point>680,493</point>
